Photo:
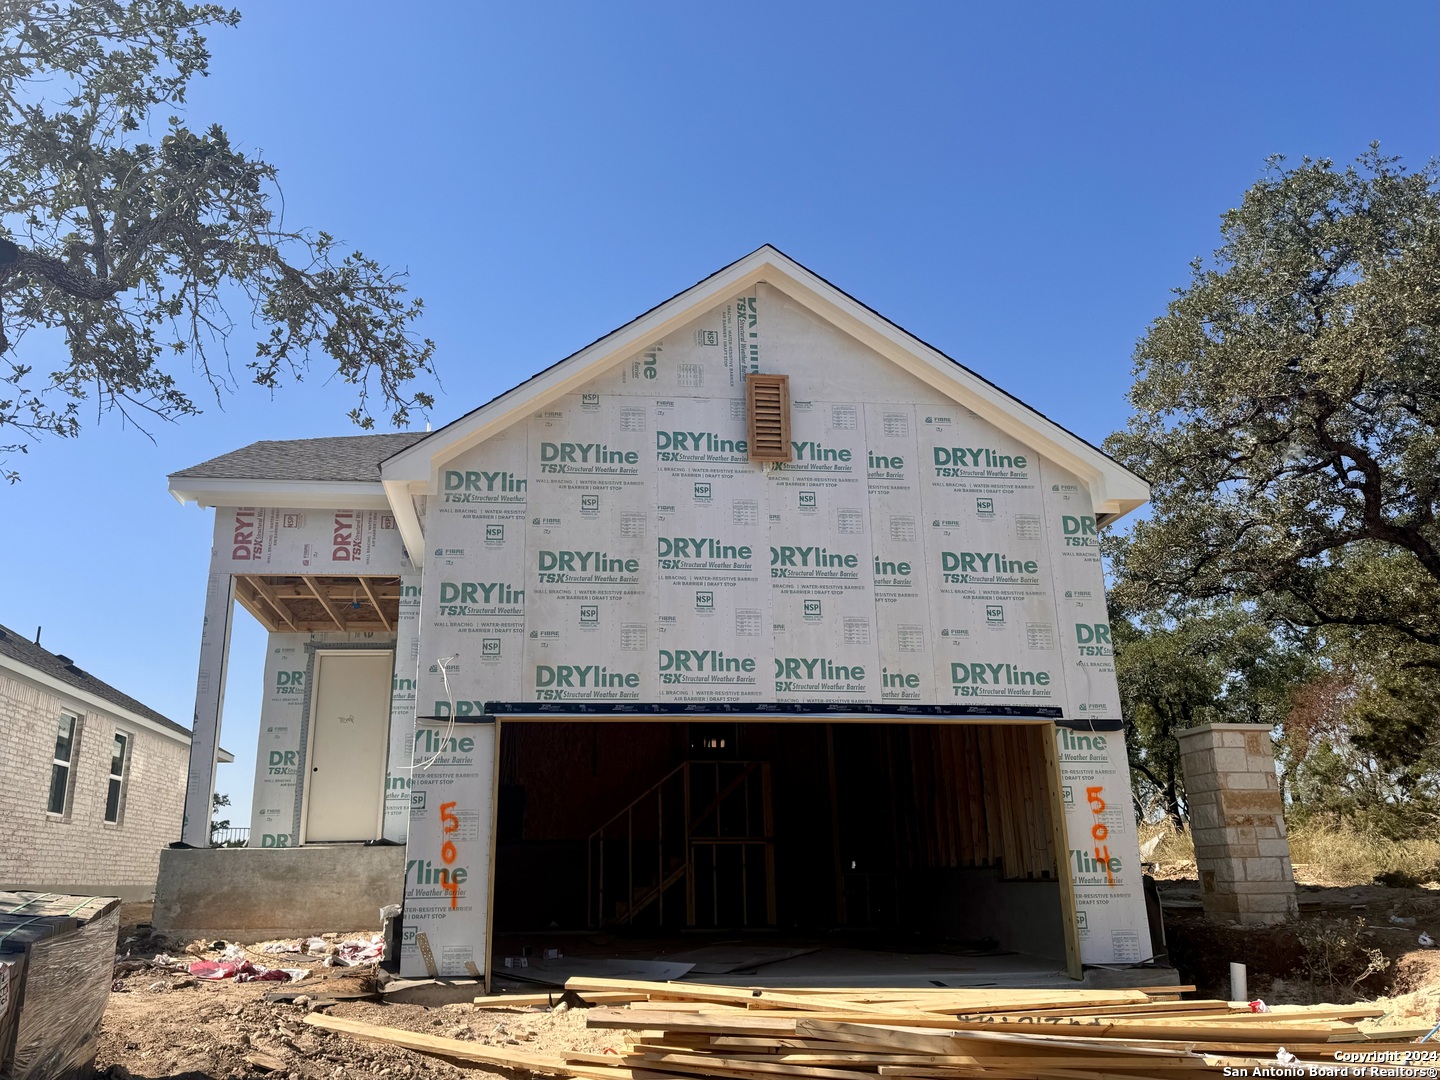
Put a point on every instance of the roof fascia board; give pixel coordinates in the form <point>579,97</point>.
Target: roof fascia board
<point>1112,487</point>
<point>91,702</point>
<point>287,494</point>
<point>412,532</point>
<point>422,461</point>
<point>1114,490</point>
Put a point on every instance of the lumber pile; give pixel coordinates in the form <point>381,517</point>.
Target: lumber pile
<point>687,1030</point>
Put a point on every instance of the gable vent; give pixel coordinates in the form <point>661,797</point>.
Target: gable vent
<point>767,415</point>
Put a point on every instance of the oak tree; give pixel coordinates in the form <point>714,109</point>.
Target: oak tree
<point>132,241</point>
<point>1287,410</point>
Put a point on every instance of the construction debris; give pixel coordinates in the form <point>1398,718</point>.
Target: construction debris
<point>687,1030</point>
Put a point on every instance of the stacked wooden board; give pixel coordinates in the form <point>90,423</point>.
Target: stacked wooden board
<point>690,1030</point>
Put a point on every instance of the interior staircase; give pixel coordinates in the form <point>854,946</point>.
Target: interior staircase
<point>706,824</point>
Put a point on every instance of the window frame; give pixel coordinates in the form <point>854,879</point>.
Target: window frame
<point>119,782</point>
<point>67,791</point>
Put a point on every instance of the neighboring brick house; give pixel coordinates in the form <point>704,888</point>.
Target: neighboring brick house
<point>93,781</point>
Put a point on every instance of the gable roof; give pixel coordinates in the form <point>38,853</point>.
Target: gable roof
<point>57,668</point>
<point>1114,489</point>
<point>341,470</point>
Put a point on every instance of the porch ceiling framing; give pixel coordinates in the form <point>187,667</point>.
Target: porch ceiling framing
<point>313,604</point>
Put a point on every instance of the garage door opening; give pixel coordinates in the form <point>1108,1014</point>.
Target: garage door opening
<point>885,835</point>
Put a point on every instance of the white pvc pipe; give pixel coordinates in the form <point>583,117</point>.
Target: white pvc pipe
<point>1238,989</point>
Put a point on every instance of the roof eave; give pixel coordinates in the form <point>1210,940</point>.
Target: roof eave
<point>91,701</point>
<point>1114,489</point>
<point>208,491</point>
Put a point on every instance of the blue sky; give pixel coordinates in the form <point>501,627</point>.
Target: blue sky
<point>1020,184</point>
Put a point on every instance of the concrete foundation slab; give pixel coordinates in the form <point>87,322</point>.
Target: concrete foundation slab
<point>251,894</point>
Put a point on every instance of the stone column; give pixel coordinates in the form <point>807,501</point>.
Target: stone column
<point>1237,820</point>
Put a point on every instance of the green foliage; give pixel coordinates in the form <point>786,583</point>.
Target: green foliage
<point>1357,750</point>
<point>1210,663</point>
<point>1336,957</point>
<point>1287,414</point>
<point>1287,409</point>
<point>133,249</point>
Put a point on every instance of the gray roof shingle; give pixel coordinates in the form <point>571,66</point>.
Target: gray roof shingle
<point>343,457</point>
<point>20,648</point>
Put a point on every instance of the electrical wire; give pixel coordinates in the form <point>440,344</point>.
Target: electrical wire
<point>449,727</point>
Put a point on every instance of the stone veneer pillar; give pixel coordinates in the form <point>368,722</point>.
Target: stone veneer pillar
<point>1237,820</point>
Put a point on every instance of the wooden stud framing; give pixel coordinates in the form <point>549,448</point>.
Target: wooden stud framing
<point>310,604</point>
<point>310,584</point>
<point>380,611</point>
<point>1054,786</point>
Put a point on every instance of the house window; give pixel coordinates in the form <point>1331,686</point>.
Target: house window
<point>60,768</point>
<point>119,761</point>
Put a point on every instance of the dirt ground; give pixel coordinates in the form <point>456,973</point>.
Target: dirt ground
<point>173,1026</point>
<point>1350,943</point>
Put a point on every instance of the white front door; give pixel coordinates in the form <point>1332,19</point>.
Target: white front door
<point>345,762</point>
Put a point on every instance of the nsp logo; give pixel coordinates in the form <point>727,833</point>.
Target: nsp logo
<point>811,610</point>
<point>490,648</point>
<point>494,534</point>
<point>589,614</point>
<point>702,491</point>
<point>807,500</point>
<point>704,601</point>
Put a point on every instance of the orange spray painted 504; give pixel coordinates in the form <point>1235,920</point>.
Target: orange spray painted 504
<point>1100,832</point>
<point>450,822</point>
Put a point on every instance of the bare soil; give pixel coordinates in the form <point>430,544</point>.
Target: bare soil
<point>173,1026</point>
<point>1325,955</point>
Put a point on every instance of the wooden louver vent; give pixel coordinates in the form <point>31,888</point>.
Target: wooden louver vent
<point>767,414</point>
